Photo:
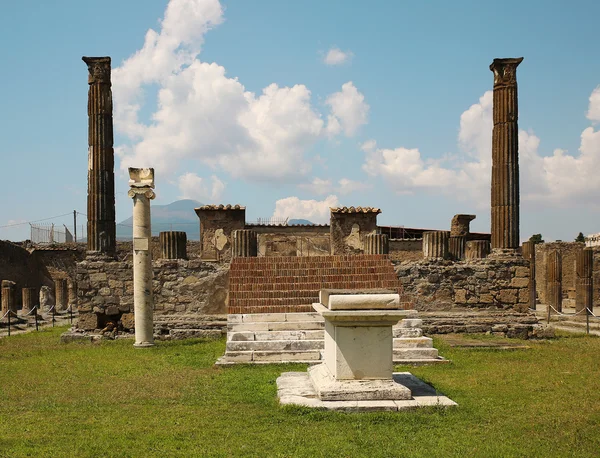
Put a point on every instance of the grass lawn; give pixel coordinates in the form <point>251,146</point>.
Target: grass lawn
<point>113,400</point>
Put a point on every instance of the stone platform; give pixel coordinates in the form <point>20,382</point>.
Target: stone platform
<point>296,388</point>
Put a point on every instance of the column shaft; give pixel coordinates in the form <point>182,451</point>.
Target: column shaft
<point>477,249</point>
<point>584,265</point>
<point>554,276</point>
<point>435,244</point>
<point>173,245</point>
<point>377,244</point>
<point>529,255</point>
<point>245,243</point>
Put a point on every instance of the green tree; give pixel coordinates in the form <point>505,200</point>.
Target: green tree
<point>580,238</point>
<point>536,238</point>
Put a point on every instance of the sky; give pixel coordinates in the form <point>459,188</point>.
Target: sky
<point>290,108</point>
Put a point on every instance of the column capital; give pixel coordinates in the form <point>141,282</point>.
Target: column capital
<point>141,181</point>
<point>505,71</point>
<point>98,68</point>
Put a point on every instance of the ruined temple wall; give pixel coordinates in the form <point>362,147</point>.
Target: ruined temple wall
<point>180,287</point>
<point>568,252</point>
<point>406,249</point>
<point>477,284</point>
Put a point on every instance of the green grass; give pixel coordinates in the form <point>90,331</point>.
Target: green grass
<point>113,400</point>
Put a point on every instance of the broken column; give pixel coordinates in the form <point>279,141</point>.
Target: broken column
<point>30,300</point>
<point>9,300</point>
<point>435,244</point>
<point>505,156</point>
<point>377,244</point>
<point>554,276</point>
<point>457,246</point>
<point>528,251</point>
<point>349,227</point>
<point>584,267</point>
<point>61,294</point>
<point>101,224</point>
<point>173,245</point>
<point>245,243</point>
<point>141,182</point>
<point>460,225</point>
<point>217,222</point>
<point>477,249</point>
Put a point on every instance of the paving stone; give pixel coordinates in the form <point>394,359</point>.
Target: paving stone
<point>304,316</point>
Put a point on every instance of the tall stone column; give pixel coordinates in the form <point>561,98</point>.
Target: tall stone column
<point>101,224</point>
<point>554,277</point>
<point>477,249</point>
<point>528,251</point>
<point>245,243</point>
<point>435,244</point>
<point>61,294</point>
<point>141,182</point>
<point>173,245</point>
<point>584,266</point>
<point>30,300</point>
<point>505,156</point>
<point>9,300</point>
<point>377,244</point>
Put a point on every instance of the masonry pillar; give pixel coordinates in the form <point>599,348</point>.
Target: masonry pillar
<point>349,227</point>
<point>217,222</point>
<point>30,300</point>
<point>457,246</point>
<point>173,245</point>
<point>505,156</point>
<point>584,265</point>
<point>101,224</point>
<point>141,182</point>
<point>435,244</point>
<point>460,225</point>
<point>245,243</point>
<point>61,294</point>
<point>377,244</point>
<point>554,276</point>
<point>9,300</point>
<point>73,295</point>
<point>529,255</point>
<point>477,249</point>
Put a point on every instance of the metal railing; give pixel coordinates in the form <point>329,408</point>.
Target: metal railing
<point>588,313</point>
<point>34,310</point>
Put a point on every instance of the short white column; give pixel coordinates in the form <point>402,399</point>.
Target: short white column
<point>142,182</point>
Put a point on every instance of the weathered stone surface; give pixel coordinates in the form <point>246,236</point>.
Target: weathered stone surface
<point>457,247</point>
<point>245,243</point>
<point>377,244</point>
<point>217,222</point>
<point>349,227</point>
<point>505,155</point>
<point>460,225</point>
<point>477,249</point>
<point>435,244</point>
<point>173,245</point>
<point>9,299</point>
<point>585,280</point>
<point>554,284</point>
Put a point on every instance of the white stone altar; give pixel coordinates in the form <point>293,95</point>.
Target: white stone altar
<point>357,372</point>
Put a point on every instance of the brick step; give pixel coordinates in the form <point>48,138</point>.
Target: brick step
<point>275,294</point>
<point>275,345</point>
<point>313,286</point>
<point>296,260</point>
<point>312,272</point>
<point>300,279</point>
<point>250,336</point>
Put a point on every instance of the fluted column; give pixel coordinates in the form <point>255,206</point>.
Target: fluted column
<point>457,246</point>
<point>584,265</point>
<point>9,301</point>
<point>61,294</point>
<point>245,243</point>
<point>377,244</point>
<point>30,299</point>
<point>73,295</point>
<point>435,244</point>
<point>477,249</point>
<point>101,224</point>
<point>141,182</point>
<point>554,277</point>
<point>173,245</point>
<point>528,251</point>
<point>505,155</point>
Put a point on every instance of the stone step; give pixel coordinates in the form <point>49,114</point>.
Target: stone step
<point>415,353</point>
<point>277,326</point>
<point>276,335</point>
<point>399,332</point>
<point>416,342</point>
<point>275,345</point>
<point>264,357</point>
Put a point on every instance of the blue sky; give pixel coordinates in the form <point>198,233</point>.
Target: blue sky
<point>292,107</point>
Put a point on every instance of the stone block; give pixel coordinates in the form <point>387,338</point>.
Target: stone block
<point>307,316</point>
<point>128,320</point>
<point>410,323</point>
<point>415,353</point>
<point>486,299</point>
<point>407,332</point>
<point>262,317</point>
<point>239,356</point>
<point>289,335</point>
<point>240,336</point>
<point>296,326</point>
<point>286,356</point>
<point>519,282</point>
<point>524,295</point>
<point>275,345</point>
<point>522,272</point>
<point>460,296</point>
<point>416,342</point>
<point>242,327</point>
<point>98,277</point>
<point>507,296</point>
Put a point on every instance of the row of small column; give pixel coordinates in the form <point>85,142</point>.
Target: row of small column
<point>441,245</point>
<point>31,299</point>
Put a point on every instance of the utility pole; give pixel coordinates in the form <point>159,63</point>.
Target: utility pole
<point>75,225</point>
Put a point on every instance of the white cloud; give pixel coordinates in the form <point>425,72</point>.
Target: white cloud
<point>556,179</point>
<point>316,211</point>
<point>593,113</point>
<point>335,56</point>
<point>319,186</point>
<point>191,186</point>
<point>348,110</point>
<point>205,115</point>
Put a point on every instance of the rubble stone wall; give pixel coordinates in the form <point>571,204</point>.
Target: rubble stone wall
<point>477,284</point>
<point>105,290</point>
<point>406,249</point>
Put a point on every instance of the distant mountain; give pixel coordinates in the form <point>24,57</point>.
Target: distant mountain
<point>295,222</point>
<point>176,216</point>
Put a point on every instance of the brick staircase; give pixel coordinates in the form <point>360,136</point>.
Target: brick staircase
<point>271,318</point>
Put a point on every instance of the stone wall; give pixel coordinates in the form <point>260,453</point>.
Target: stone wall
<point>485,283</point>
<point>568,252</point>
<point>406,249</point>
<point>105,290</point>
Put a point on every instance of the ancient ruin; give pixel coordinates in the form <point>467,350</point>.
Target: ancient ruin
<point>101,225</point>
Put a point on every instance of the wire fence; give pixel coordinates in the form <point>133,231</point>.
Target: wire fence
<point>50,314</point>
<point>589,313</point>
<point>48,234</point>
